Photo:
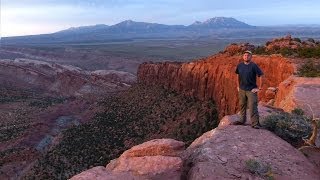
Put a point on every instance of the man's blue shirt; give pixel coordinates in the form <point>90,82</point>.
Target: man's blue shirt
<point>248,75</point>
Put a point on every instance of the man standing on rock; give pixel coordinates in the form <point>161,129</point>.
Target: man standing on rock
<point>247,87</point>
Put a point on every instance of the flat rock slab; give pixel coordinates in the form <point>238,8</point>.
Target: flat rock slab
<point>222,153</point>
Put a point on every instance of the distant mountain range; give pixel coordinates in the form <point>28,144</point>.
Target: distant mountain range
<point>133,27</point>
<point>126,30</point>
<point>220,22</point>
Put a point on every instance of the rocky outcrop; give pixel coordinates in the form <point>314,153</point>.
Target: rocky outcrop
<point>299,92</point>
<point>64,80</point>
<point>222,153</point>
<point>214,78</point>
<point>234,48</point>
<point>155,159</point>
<point>289,43</point>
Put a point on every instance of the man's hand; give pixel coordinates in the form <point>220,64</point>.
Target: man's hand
<point>255,90</point>
<point>238,89</point>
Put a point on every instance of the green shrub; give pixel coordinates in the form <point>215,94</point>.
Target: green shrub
<point>9,94</point>
<point>276,48</point>
<point>12,132</point>
<point>311,40</point>
<point>260,50</point>
<point>306,51</point>
<point>297,111</point>
<point>297,40</point>
<point>309,52</point>
<point>286,51</point>
<point>46,102</point>
<point>309,69</point>
<point>290,127</point>
<point>259,168</point>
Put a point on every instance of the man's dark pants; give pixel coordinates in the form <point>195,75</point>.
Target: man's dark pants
<point>250,100</point>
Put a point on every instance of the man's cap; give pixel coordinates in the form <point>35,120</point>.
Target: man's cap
<point>247,51</point>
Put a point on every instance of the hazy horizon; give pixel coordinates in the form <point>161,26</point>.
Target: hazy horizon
<point>30,17</point>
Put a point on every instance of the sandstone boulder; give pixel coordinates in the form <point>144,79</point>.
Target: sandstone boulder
<point>155,159</point>
<point>224,153</point>
<point>156,147</point>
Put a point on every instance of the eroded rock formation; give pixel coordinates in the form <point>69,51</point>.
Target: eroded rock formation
<point>289,43</point>
<point>64,80</point>
<point>214,78</point>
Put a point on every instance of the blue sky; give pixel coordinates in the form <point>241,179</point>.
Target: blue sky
<point>24,17</point>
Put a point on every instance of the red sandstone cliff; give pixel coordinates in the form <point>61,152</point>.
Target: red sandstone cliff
<point>213,77</point>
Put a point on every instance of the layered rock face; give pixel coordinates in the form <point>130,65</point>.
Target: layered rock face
<point>222,153</point>
<point>214,78</point>
<point>64,80</point>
